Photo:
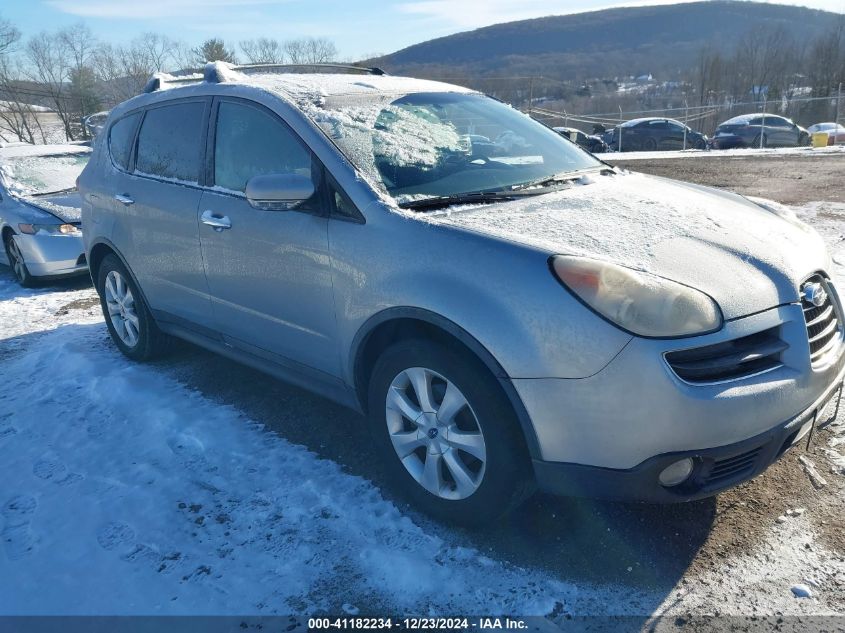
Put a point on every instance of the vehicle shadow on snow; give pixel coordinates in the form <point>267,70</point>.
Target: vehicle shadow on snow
<point>646,547</point>
<point>576,540</point>
<point>10,286</point>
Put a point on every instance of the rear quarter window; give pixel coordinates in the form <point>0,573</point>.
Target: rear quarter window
<point>121,136</point>
<point>169,143</point>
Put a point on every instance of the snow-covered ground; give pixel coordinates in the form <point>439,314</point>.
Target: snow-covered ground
<point>727,153</point>
<point>125,492</point>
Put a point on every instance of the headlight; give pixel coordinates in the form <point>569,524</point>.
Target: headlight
<point>638,302</point>
<point>50,229</point>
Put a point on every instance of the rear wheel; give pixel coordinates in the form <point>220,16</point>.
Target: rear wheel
<point>756,141</point>
<point>128,318</point>
<point>447,433</point>
<point>16,261</point>
<point>650,144</point>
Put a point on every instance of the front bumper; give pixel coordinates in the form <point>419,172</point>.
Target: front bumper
<point>715,469</point>
<point>628,420</point>
<point>52,255</point>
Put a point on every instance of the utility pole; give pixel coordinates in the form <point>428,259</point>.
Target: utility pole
<point>838,98</point>
<point>763,128</point>
<point>686,118</point>
<point>530,95</point>
<point>619,129</point>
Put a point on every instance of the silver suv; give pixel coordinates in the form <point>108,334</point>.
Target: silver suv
<point>509,311</point>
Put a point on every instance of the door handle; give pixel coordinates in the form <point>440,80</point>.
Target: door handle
<point>124,199</point>
<point>215,221</point>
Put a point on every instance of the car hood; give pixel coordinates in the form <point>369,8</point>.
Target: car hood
<point>744,256</point>
<point>67,207</point>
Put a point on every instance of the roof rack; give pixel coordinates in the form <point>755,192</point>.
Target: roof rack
<point>308,68</point>
<point>214,73</point>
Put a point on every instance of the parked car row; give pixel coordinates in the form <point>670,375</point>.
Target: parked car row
<point>508,311</point>
<point>750,130</point>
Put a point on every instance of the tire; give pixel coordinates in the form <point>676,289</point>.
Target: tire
<point>16,262</point>
<point>755,144</point>
<point>478,455</point>
<point>650,145</point>
<point>804,140</point>
<point>130,324</point>
<point>700,144</point>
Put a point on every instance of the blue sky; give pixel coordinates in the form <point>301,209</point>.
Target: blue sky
<point>358,27</point>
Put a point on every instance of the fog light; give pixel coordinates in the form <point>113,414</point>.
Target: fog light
<point>676,473</point>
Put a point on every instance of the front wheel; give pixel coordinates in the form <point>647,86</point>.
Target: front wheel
<point>16,261</point>
<point>128,318</point>
<point>756,142</point>
<point>447,433</point>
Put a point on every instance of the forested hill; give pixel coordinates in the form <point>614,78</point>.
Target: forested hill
<point>664,40</point>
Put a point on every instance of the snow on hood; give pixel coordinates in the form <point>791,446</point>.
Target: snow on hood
<point>747,258</point>
<point>65,206</point>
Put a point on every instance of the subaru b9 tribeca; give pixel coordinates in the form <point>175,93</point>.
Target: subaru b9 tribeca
<point>509,311</point>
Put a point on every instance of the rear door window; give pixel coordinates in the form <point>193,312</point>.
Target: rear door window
<point>121,136</point>
<point>250,142</point>
<point>170,142</point>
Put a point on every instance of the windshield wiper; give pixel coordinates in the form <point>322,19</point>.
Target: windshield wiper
<point>475,197</point>
<point>563,177</point>
<point>53,193</point>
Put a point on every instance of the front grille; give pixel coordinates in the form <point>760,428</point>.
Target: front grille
<point>732,468</point>
<point>823,328</point>
<point>729,360</point>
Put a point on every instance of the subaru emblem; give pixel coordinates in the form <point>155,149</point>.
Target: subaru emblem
<point>815,293</point>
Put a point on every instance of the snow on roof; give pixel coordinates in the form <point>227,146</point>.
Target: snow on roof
<point>634,122</point>
<point>18,151</point>
<point>309,87</point>
<point>314,87</point>
<point>743,119</point>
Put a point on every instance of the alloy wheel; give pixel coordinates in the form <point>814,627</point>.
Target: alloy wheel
<point>17,262</point>
<point>435,433</point>
<point>121,308</point>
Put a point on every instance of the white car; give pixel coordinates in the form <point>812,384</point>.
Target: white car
<point>835,132</point>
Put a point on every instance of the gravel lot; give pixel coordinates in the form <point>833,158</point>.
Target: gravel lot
<point>739,553</point>
<point>794,179</point>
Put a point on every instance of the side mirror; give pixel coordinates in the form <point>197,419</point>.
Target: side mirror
<point>573,136</point>
<point>279,192</point>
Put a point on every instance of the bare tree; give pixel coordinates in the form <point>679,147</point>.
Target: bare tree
<point>263,50</point>
<point>123,70</point>
<point>49,66</point>
<point>18,115</point>
<point>18,119</point>
<point>310,50</point>
<point>9,37</point>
